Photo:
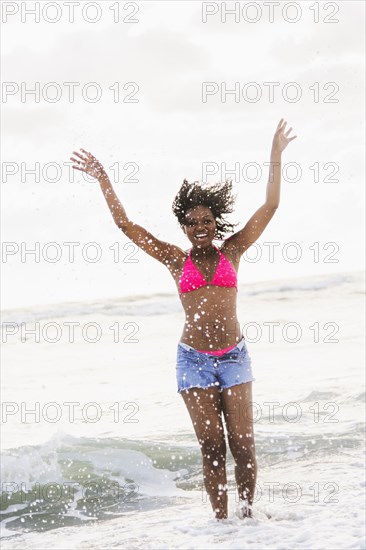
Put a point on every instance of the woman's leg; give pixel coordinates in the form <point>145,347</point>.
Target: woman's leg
<point>238,412</point>
<point>204,407</point>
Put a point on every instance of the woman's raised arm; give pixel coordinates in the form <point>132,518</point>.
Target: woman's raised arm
<point>243,239</point>
<point>91,166</point>
<point>162,251</point>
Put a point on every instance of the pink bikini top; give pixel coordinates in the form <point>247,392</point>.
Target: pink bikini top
<point>192,279</point>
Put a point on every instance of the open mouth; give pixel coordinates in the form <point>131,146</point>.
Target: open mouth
<point>201,236</point>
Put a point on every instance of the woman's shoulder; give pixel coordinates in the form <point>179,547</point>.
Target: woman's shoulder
<point>177,258</point>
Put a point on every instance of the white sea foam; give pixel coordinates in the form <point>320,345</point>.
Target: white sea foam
<point>149,451</point>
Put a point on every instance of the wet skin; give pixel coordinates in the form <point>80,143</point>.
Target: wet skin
<point>211,321</point>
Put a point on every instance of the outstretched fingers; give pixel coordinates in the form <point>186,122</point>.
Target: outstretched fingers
<point>282,136</point>
<point>287,134</point>
<point>78,155</point>
<point>88,154</point>
<point>75,160</point>
<point>82,161</point>
<point>86,162</point>
<point>279,124</point>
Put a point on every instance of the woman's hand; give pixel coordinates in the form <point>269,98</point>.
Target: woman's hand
<point>281,139</point>
<point>89,164</point>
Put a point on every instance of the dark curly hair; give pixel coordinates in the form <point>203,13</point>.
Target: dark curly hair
<point>218,198</point>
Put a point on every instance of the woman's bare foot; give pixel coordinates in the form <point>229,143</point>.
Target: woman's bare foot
<point>244,510</point>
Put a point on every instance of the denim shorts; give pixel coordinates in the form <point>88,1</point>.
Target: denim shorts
<point>196,369</point>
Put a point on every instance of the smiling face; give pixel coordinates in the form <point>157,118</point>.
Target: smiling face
<point>200,226</point>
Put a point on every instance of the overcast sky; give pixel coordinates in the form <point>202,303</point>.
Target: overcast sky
<point>162,59</point>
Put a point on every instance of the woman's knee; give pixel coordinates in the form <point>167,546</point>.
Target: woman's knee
<point>243,450</point>
<point>213,447</point>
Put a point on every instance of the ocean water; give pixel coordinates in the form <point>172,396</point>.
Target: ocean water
<point>98,450</point>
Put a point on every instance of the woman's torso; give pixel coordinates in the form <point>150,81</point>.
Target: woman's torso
<point>211,321</point>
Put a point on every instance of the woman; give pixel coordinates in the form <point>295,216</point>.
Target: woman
<point>213,365</point>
